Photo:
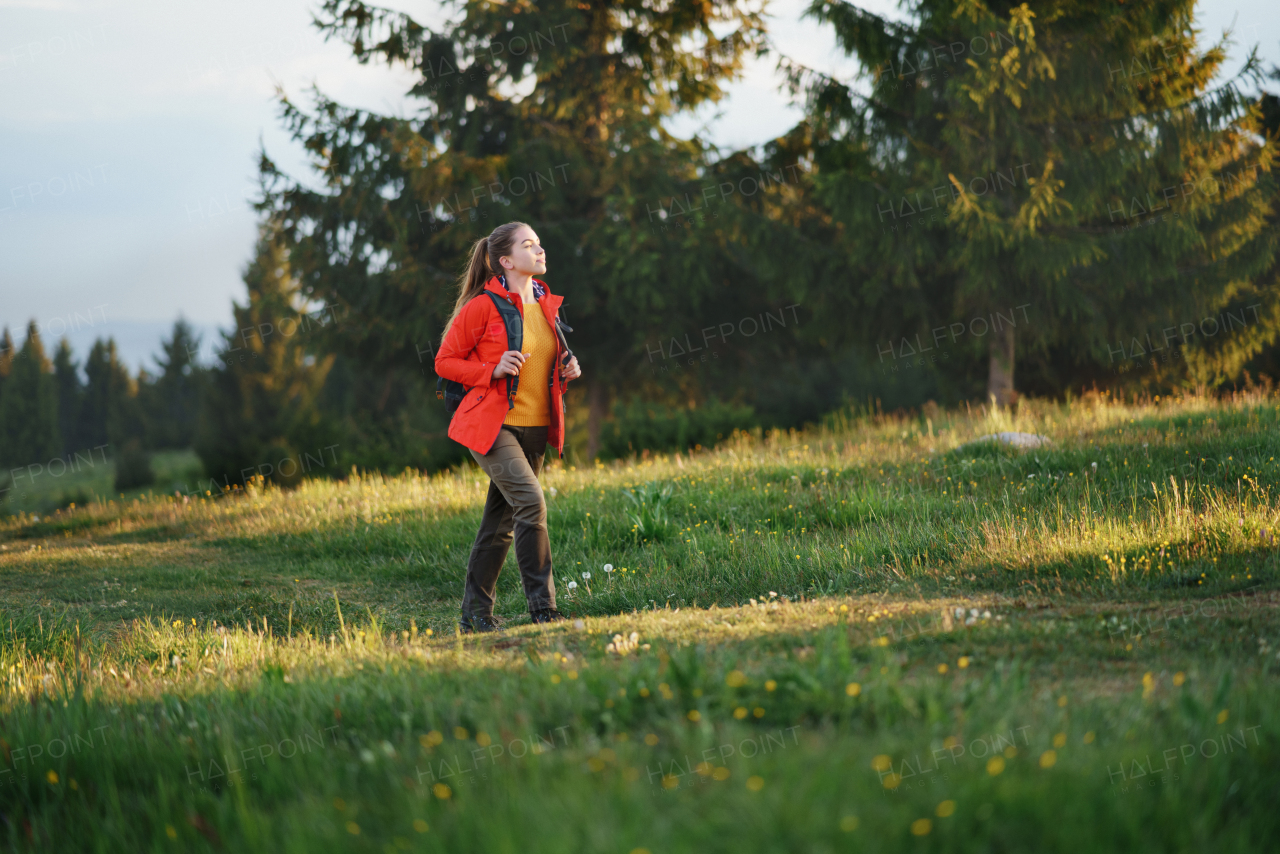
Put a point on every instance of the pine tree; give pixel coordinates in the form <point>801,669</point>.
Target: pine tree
<point>1072,160</point>
<point>1266,336</point>
<point>552,113</point>
<point>110,414</point>
<point>29,407</point>
<point>6,357</point>
<point>258,413</point>
<point>70,392</point>
<point>171,403</point>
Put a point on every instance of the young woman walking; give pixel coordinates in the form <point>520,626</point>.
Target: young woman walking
<point>506,436</point>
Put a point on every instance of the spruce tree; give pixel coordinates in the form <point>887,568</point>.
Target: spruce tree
<point>1266,362</point>
<point>552,113</point>
<point>70,392</point>
<point>6,357</point>
<point>97,393</point>
<point>110,413</point>
<point>258,413</point>
<point>29,407</point>
<point>1067,178</point>
<point>171,403</point>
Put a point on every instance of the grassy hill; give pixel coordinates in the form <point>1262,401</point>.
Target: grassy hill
<point>872,636</point>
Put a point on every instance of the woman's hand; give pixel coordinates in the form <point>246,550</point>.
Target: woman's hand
<point>571,371</point>
<point>509,364</point>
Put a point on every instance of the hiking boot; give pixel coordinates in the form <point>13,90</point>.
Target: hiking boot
<point>471,623</point>
<point>546,615</point>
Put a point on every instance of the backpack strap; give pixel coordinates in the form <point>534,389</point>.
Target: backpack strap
<point>566,355</point>
<point>515,338</point>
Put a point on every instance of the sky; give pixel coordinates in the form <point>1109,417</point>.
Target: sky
<point>129,135</point>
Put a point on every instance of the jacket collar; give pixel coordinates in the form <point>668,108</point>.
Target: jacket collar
<point>498,284</point>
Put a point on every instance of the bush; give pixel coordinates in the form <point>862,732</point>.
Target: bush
<point>133,467</point>
<point>78,497</point>
<point>638,426</point>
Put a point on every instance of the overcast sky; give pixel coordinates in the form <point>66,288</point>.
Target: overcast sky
<point>128,134</point>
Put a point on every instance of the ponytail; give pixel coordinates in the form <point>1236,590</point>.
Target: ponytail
<point>483,266</point>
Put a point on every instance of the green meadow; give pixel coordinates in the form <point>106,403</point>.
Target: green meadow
<point>873,635</point>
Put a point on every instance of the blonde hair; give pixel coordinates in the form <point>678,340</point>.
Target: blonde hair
<point>483,265</point>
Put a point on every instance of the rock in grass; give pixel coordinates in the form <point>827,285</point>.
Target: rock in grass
<point>1017,440</point>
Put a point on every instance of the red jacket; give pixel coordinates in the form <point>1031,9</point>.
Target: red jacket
<point>472,346</point>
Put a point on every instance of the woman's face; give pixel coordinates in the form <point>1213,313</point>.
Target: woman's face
<point>527,257</point>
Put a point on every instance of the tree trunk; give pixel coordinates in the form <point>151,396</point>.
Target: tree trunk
<point>386,392</point>
<point>596,405</point>
<point>1000,377</point>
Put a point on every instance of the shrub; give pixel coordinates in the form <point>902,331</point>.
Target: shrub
<point>133,467</point>
<point>638,426</point>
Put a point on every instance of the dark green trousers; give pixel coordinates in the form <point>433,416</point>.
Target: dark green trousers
<point>514,510</point>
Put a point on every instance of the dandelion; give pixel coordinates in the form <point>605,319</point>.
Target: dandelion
<point>608,567</point>
<point>586,576</point>
<point>622,645</point>
<point>573,585</point>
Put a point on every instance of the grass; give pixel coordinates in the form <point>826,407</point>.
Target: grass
<point>871,635</point>
<point>90,476</point>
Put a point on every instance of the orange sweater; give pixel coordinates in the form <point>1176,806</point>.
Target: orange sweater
<point>532,406</point>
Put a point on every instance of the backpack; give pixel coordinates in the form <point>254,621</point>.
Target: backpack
<point>452,392</point>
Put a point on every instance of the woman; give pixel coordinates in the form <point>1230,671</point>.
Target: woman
<point>507,438</point>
